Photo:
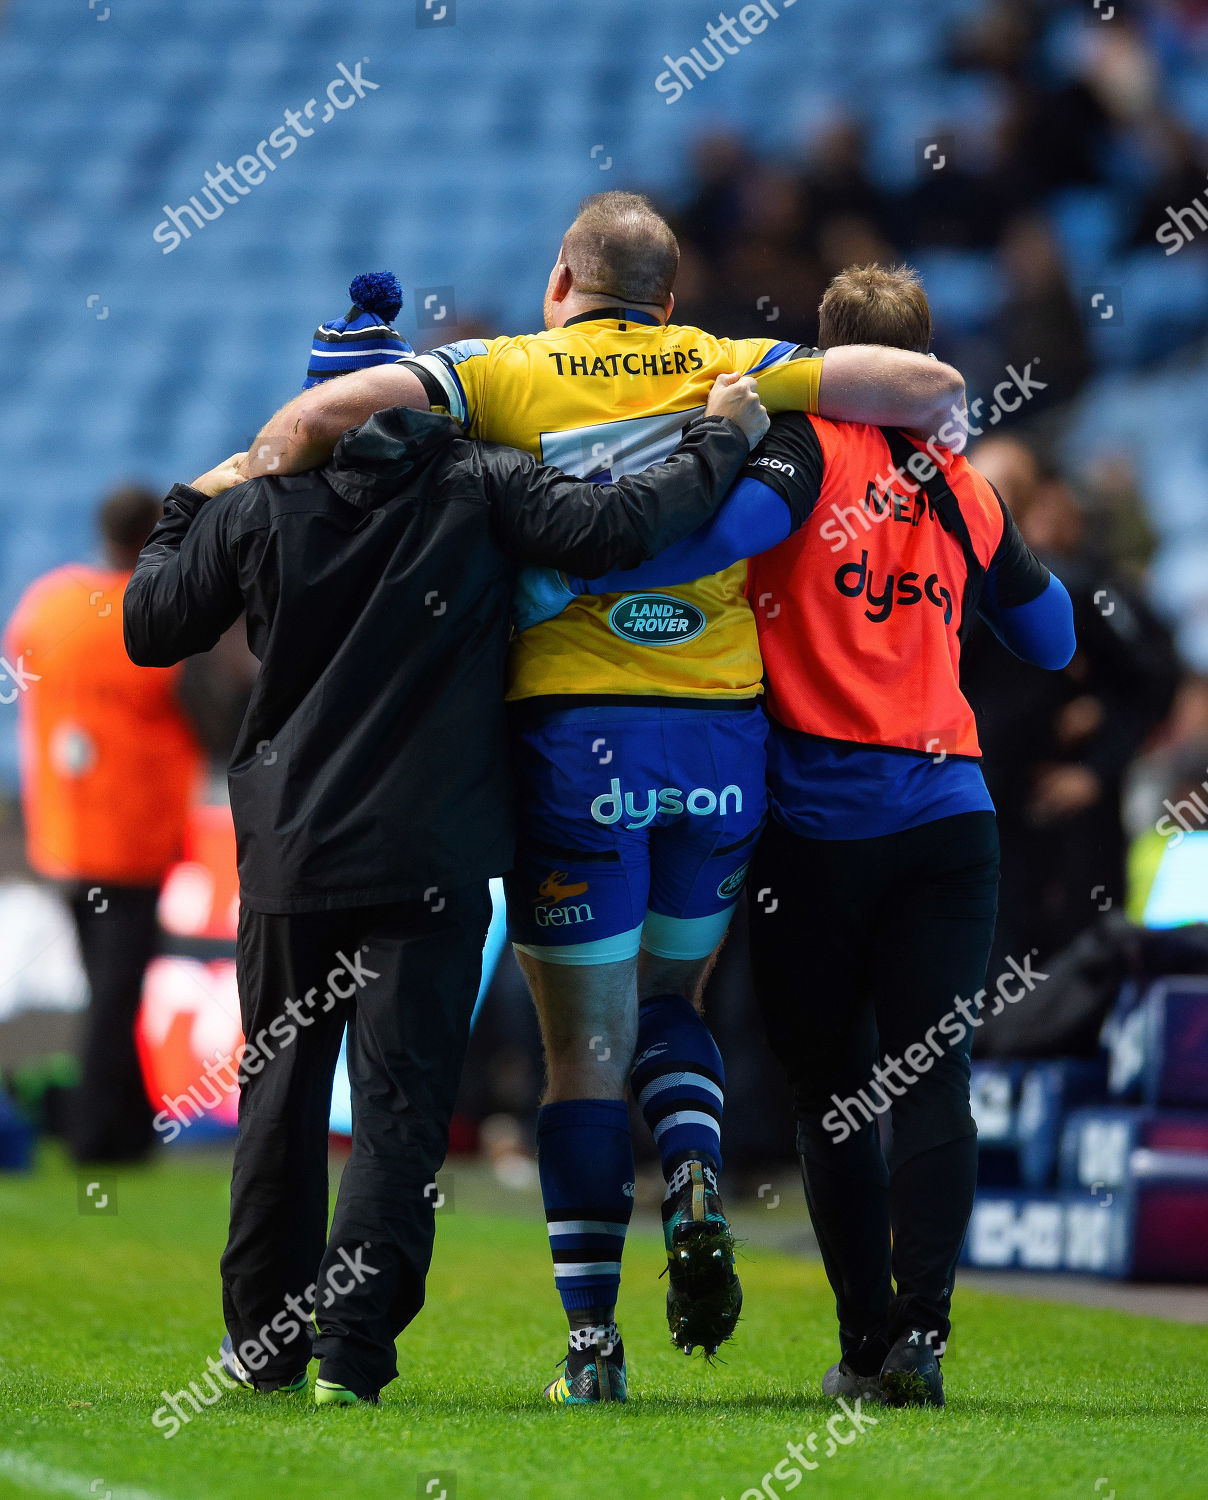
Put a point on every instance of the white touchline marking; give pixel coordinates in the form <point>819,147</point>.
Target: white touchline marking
<point>51,1481</point>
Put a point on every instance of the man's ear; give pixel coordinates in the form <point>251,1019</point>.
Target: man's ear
<point>562,282</point>
<point>670,305</point>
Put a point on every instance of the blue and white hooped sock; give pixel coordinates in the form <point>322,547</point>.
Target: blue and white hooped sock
<point>679,1081</point>
<point>585,1158</point>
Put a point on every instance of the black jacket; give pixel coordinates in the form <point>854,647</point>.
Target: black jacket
<point>371,765</point>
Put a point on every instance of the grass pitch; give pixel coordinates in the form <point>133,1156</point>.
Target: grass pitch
<point>100,1313</point>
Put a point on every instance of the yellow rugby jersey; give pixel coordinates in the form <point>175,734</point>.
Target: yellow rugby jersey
<point>609,394</point>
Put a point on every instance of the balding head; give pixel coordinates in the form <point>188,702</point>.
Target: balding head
<point>619,249</point>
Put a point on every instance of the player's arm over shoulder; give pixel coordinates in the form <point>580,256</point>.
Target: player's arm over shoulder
<point>885,387</point>
<point>865,383</point>
<point>304,433</point>
<point>786,374</point>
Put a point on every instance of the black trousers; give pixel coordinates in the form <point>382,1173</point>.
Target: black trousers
<point>110,1115</point>
<point>860,947</point>
<point>403,979</point>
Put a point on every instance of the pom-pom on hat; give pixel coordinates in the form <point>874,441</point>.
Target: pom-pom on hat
<point>364,336</point>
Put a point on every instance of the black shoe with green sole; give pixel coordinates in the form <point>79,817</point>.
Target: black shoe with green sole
<point>233,1366</point>
<point>704,1295</point>
<point>911,1374</point>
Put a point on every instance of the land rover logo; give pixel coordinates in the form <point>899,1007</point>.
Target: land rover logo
<point>732,884</point>
<point>655,620</point>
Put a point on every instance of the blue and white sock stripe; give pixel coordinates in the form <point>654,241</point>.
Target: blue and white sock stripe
<point>679,1078</point>
<point>689,1100</point>
<point>695,1080</point>
<point>570,1271</point>
<point>683,1109</point>
<point>571,1245</point>
<point>586,1249</point>
<point>560,1227</point>
<point>686,1119</point>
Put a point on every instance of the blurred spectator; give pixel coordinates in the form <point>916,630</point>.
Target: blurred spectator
<point>1180,178</point>
<point>845,241</point>
<point>836,183</point>
<point>1121,520</point>
<point>1054,127</point>
<point>1040,321</point>
<point>721,167</point>
<point>953,203</point>
<point>108,767</point>
<point>744,271</point>
<point>1057,745</point>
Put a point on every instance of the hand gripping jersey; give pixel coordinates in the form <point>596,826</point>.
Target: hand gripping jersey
<point>610,394</point>
<point>862,610</point>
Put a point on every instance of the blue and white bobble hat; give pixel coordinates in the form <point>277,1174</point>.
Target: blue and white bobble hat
<point>364,337</point>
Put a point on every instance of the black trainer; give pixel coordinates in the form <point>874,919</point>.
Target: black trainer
<point>233,1366</point>
<point>911,1374</point>
<point>704,1295</point>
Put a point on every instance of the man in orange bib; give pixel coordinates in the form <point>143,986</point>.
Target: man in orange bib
<point>109,763</point>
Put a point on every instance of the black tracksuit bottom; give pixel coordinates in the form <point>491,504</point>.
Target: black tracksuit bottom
<point>110,1115</point>
<point>403,979</point>
<point>860,947</point>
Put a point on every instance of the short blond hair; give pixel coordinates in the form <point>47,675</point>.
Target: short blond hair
<point>876,304</point>
<point>621,245</point>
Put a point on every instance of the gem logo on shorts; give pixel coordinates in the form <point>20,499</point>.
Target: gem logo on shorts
<point>732,884</point>
<point>553,890</point>
<point>655,620</point>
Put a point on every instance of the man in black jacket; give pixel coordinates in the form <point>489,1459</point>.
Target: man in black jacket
<point>371,796</point>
